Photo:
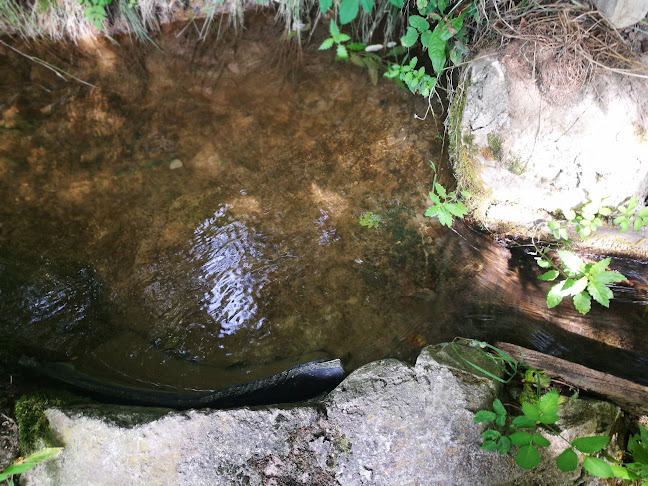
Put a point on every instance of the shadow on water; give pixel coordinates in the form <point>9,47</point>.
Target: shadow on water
<point>193,222</point>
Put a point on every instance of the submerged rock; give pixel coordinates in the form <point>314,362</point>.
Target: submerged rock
<point>387,423</point>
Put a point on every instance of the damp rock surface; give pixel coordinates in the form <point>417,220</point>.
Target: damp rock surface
<point>387,423</point>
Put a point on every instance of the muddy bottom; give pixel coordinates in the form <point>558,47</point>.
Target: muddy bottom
<point>192,219</point>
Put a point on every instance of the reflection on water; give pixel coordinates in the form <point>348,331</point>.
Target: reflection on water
<point>232,267</point>
<point>247,257</point>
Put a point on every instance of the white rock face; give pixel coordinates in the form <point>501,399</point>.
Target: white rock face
<point>537,150</point>
<point>387,424</point>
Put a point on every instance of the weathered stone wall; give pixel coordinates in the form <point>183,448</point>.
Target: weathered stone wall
<point>387,424</point>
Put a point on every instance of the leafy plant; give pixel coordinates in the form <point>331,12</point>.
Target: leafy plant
<point>25,464</point>
<point>583,281</point>
<point>370,220</point>
<point>627,211</point>
<point>95,11</point>
<point>445,205</point>
<point>338,39</point>
<point>417,80</point>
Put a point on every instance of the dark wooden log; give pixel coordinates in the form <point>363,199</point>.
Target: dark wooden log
<point>630,396</point>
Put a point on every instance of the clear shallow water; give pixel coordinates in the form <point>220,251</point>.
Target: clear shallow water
<point>249,258</point>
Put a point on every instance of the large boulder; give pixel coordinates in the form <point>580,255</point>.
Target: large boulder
<point>387,423</point>
<point>531,139</point>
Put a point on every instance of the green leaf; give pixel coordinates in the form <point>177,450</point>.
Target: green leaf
<point>503,445</point>
<point>397,3</point>
<point>548,408</point>
<point>484,416</point>
<point>542,263</point>
<point>527,457</point>
<point>638,223</point>
<point>500,420</point>
<point>43,455</point>
<point>643,213</point>
<point>16,469</point>
<point>432,211</point>
<point>419,23</point>
<point>549,276</point>
<point>554,296</point>
<point>540,440</point>
<point>356,46</point>
<point>440,190</point>
<point>572,263</point>
<point>341,52</point>
<point>325,5</point>
<point>520,438</point>
<point>437,50</point>
<point>327,44</point>
<point>498,407</point>
<point>524,422</point>
<point>599,292</point>
<point>491,435</point>
<point>489,445</point>
<point>597,467</point>
<point>348,11</point>
<point>623,473</point>
<point>334,29</point>
<point>583,302</point>
<point>590,445</point>
<point>426,38</point>
<point>610,277</point>
<point>445,218</point>
<point>574,286</point>
<point>421,5</point>
<point>567,461</point>
<point>367,5</point>
<point>409,39</point>
<point>600,266</point>
<point>633,203</point>
<point>605,211</point>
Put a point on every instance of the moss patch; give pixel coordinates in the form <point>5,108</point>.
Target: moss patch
<point>33,424</point>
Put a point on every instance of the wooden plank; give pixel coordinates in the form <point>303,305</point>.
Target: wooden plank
<point>630,396</point>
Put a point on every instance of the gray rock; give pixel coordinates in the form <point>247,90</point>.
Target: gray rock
<point>622,13</point>
<point>388,423</point>
<point>528,147</point>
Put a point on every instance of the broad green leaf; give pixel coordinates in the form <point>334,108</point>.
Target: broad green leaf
<point>590,445</point>
<point>599,292</point>
<point>457,209</point>
<point>605,211</point>
<point>643,213</point>
<point>553,225</point>
<point>437,50</point>
<point>397,3</point>
<point>491,435</point>
<point>600,266</point>
<point>527,457</point>
<point>548,404</point>
<point>554,296</point>
<point>489,445</point>
<point>432,211</point>
<point>356,46</point>
<point>367,5</point>
<point>484,416</point>
<point>441,5</point>
<point>540,440</point>
<point>638,223</point>
<point>562,233</point>
<point>542,263</point>
<point>419,23</point>
<point>597,467</point>
<point>421,5</point>
<point>549,276</point>
<point>524,422</point>
<point>348,11</point>
<point>569,214</point>
<point>610,277</point>
<point>327,44</point>
<point>341,52</point>
<point>633,203</point>
<point>500,421</point>
<point>572,263</point>
<point>426,38</point>
<point>409,39</point>
<point>520,438</point>
<point>624,225</point>
<point>583,302</point>
<point>355,59</point>
<point>444,217</point>
<point>574,287</point>
<point>623,473</point>
<point>567,461</point>
<point>498,408</point>
<point>503,445</point>
<point>440,190</point>
<point>325,5</point>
